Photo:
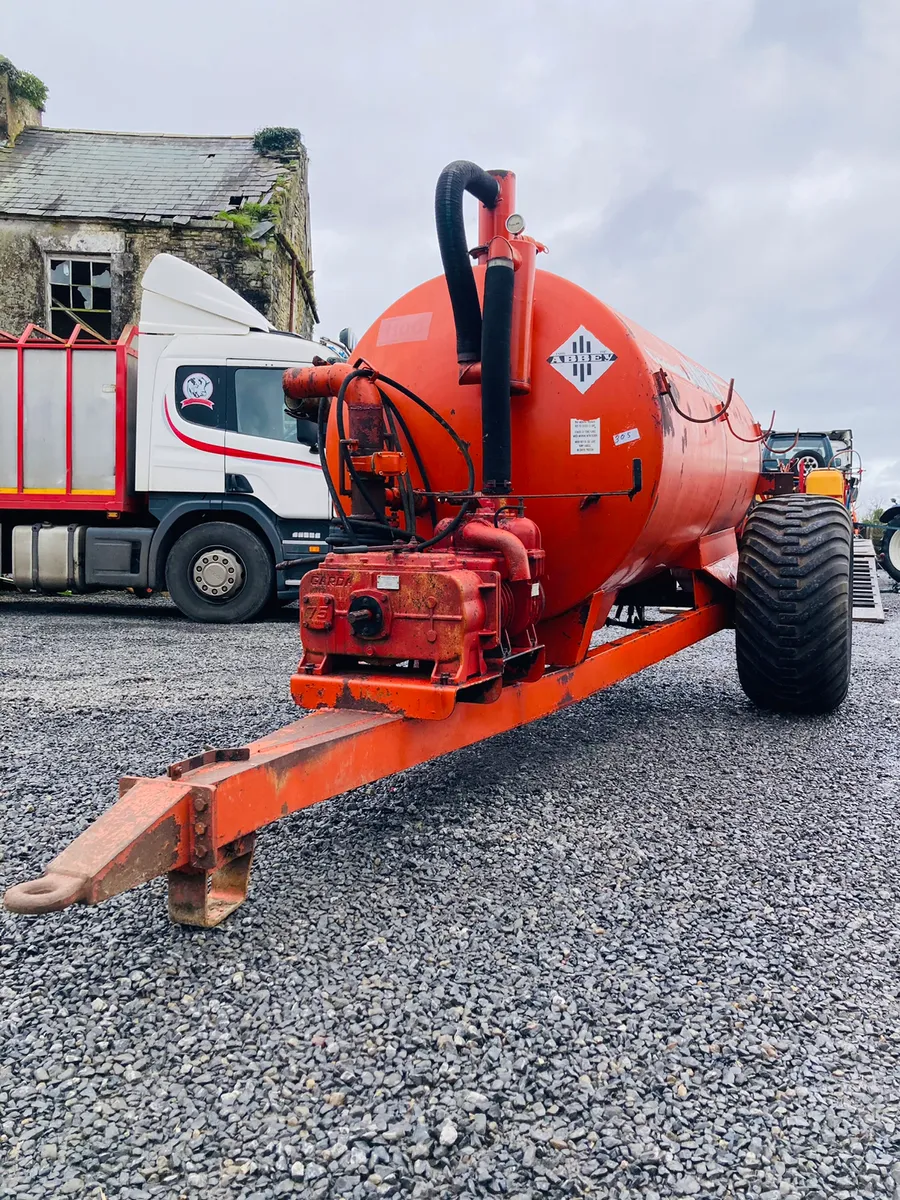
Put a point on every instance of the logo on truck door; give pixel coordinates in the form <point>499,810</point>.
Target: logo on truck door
<point>197,389</point>
<point>200,394</point>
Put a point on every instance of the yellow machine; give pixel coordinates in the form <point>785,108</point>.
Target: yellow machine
<point>825,481</point>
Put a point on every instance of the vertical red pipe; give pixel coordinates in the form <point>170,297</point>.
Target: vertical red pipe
<point>492,221</point>
<point>122,349</point>
<point>522,316</point>
<point>20,409</point>
<point>69,365</point>
<point>491,224</point>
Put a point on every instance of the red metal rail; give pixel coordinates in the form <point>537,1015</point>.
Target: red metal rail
<point>81,340</point>
<point>199,824</point>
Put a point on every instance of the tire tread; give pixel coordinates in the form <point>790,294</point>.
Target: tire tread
<point>794,604</point>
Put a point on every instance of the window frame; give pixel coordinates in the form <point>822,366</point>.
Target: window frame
<point>232,422</point>
<point>66,256</point>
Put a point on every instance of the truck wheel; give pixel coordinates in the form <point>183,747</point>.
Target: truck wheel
<point>793,607</point>
<point>890,553</point>
<point>220,573</point>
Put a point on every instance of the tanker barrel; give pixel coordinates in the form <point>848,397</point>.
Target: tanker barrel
<point>456,179</point>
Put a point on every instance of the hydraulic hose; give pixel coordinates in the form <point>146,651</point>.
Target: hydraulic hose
<point>454,180</point>
<point>496,439</point>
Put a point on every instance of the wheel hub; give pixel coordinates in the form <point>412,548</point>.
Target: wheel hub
<point>217,573</point>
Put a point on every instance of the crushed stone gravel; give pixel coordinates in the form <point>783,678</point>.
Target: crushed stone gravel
<point>646,948</point>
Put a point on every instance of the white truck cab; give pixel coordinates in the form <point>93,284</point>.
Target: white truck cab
<point>209,484</point>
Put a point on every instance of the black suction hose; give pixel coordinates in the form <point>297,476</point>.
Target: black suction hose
<point>456,179</point>
<point>496,334</point>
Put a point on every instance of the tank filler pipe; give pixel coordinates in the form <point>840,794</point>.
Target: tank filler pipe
<point>456,179</point>
<point>496,341</point>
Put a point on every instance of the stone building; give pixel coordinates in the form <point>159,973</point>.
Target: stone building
<point>82,213</point>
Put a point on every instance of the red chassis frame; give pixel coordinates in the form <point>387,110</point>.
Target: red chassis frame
<point>81,340</point>
<point>198,825</point>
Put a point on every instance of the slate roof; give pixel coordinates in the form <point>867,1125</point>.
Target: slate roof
<point>130,176</point>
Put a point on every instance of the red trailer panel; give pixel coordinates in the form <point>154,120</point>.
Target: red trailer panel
<point>67,411</point>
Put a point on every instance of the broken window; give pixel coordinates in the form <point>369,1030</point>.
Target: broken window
<point>80,292</point>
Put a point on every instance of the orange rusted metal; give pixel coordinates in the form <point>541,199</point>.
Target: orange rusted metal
<point>374,692</point>
<point>198,827</point>
<point>147,833</point>
<point>303,383</point>
<point>462,616</point>
<point>386,462</point>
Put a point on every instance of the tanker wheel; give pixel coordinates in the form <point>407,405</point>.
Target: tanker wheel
<point>220,573</point>
<point>890,553</point>
<point>794,606</point>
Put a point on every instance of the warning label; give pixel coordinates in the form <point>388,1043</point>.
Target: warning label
<point>582,359</point>
<point>584,436</point>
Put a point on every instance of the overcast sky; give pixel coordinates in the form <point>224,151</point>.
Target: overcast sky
<point>725,172</point>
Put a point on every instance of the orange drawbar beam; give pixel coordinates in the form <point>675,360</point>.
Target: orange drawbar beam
<point>198,825</point>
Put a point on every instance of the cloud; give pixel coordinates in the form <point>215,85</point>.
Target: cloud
<point>726,172</point>
<point>829,30</point>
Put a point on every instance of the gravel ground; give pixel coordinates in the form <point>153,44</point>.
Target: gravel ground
<point>646,948</point>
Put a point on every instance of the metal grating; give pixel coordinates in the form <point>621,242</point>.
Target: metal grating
<point>867,604</point>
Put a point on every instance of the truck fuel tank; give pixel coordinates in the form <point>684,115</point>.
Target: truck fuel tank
<point>48,557</point>
<point>55,558</point>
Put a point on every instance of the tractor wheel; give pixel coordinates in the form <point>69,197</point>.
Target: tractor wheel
<point>793,607</point>
<point>890,553</point>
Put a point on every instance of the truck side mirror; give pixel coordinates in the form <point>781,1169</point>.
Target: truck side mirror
<point>308,434</point>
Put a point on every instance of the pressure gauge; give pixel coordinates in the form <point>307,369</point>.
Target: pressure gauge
<point>515,223</point>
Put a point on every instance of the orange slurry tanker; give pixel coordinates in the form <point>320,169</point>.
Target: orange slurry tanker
<point>509,461</point>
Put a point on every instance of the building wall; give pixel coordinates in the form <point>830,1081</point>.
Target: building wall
<point>22,286</point>
<point>285,277</point>
<point>212,247</point>
<point>15,112</point>
<point>261,273</point>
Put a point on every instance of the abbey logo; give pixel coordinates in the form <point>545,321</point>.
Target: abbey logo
<point>582,359</point>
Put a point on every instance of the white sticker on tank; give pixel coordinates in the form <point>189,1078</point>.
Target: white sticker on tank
<point>629,435</point>
<point>584,436</point>
<point>388,583</point>
<point>582,359</point>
